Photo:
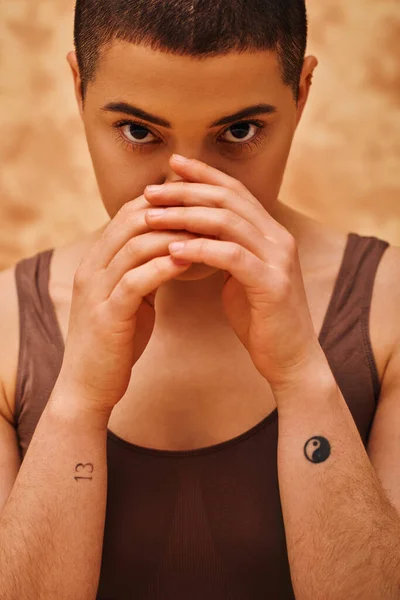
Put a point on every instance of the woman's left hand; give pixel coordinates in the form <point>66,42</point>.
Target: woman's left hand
<point>263,296</point>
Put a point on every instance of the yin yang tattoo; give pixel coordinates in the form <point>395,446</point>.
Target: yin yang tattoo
<point>317,449</point>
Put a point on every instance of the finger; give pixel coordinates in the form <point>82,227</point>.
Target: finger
<point>200,194</point>
<point>247,268</point>
<point>137,251</point>
<point>219,223</point>
<point>198,171</point>
<point>127,223</point>
<point>137,283</point>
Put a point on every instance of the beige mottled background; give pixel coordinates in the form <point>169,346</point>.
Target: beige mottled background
<point>345,163</point>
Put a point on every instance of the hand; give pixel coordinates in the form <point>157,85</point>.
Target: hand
<point>110,322</point>
<point>263,295</point>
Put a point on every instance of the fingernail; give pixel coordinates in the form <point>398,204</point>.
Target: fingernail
<point>176,246</point>
<point>156,212</point>
<point>180,158</point>
<point>152,189</point>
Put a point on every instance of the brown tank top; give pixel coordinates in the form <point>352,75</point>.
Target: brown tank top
<point>202,523</point>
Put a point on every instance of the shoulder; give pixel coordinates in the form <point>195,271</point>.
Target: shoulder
<point>9,336</point>
<point>387,287</point>
<point>389,269</point>
<point>384,440</point>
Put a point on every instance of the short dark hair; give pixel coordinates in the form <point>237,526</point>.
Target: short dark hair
<point>196,28</point>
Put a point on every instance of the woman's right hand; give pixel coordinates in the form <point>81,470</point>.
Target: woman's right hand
<point>124,265</point>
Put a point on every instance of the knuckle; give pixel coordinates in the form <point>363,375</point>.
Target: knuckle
<point>80,279</point>
<point>123,211</point>
<point>230,218</point>
<point>127,210</point>
<point>239,188</point>
<point>158,264</point>
<point>132,247</point>
<point>291,243</point>
<point>126,283</point>
<point>97,317</point>
<point>203,246</point>
<point>282,286</point>
<point>290,253</point>
<point>201,165</point>
<point>219,198</point>
<point>237,253</point>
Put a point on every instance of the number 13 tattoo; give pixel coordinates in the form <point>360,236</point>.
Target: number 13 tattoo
<point>81,468</point>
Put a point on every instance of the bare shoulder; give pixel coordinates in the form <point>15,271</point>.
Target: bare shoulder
<point>388,273</point>
<point>9,336</point>
<point>385,315</point>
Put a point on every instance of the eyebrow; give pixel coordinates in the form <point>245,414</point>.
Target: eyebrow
<point>129,109</point>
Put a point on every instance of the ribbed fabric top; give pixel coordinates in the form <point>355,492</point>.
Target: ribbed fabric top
<point>202,523</point>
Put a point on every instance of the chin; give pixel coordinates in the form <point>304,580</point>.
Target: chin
<point>196,272</point>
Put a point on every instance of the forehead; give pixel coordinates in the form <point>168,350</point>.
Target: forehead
<point>126,69</point>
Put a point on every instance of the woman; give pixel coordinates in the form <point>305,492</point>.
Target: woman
<point>157,384</point>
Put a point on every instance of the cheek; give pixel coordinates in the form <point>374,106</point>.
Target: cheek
<point>271,177</point>
<point>106,165</point>
<point>116,189</point>
<point>118,177</point>
<point>265,181</point>
<point>280,150</point>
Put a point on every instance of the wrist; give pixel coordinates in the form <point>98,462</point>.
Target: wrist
<point>69,407</point>
<point>314,372</point>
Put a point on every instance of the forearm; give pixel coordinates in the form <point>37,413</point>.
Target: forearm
<point>343,535</point>
<point>51,528</point>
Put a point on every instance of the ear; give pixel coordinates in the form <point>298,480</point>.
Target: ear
<point>310,63</point>
<point>73,63</point>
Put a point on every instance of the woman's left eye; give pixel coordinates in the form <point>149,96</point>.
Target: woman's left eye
<point>239,129</point>
<point>242,137</point>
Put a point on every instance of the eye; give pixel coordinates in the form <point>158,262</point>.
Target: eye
<point>239,132</point>
<point>239,129</point>
<point>137,131</point>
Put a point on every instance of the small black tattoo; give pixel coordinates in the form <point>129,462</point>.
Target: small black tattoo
<point>317,449</point>
<point>88,468</point>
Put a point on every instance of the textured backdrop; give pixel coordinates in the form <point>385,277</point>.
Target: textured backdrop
<point>345,163</point>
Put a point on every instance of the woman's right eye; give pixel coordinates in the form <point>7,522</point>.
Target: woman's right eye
<point>134,130</point>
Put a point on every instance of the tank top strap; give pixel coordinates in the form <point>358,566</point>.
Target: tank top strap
<point>355,281</point>
<point>349,310</point>
<point>38,332</point>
